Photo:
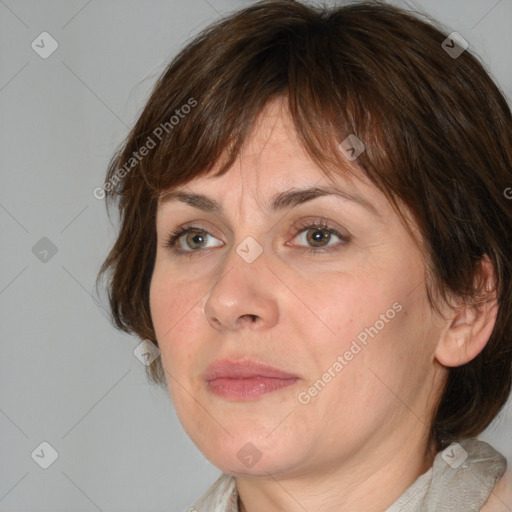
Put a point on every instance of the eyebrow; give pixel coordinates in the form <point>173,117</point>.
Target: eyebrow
<point>284,200</point>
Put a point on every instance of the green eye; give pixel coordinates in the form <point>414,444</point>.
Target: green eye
<point>319,233</point>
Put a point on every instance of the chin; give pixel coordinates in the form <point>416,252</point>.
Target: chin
<point>250,453</point>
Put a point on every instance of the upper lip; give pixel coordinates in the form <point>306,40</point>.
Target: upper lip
<point>224,368</point>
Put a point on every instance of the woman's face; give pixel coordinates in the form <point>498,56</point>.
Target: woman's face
<point>350,323</point>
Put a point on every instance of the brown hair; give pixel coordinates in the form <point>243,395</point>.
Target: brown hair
<point>437,132</point>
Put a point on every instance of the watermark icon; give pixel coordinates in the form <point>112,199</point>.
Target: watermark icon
<point>44,45</point>
<point>454,455</point>
<point>249,455</point>
<point>44,250</point>
<point>508,193</point>
<point>146,352</point>
<point>45,455</point>
<point>454,45</point>
<point>304,397</point>
<point>151,143</point>
<point>249,249</point>
<point>352,147</point>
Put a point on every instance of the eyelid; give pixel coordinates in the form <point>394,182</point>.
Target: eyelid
<point>320,222</point>
<point>296,229</point>
<point>175,234</point>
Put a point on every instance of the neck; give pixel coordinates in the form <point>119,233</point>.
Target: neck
<point>371,483</point>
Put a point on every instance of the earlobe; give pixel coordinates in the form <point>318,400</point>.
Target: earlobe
<point>458,345</point>
<point>470,327</point>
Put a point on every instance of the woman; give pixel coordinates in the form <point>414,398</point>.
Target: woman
<point>315,234</point>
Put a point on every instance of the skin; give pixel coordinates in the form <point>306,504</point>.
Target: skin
<point>362,440</point>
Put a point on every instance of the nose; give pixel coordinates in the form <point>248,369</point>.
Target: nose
<point>244,296</point>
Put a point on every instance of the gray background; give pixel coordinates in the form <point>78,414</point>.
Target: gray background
<point>67,376</point>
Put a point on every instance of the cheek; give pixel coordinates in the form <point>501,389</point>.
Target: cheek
<point>176,317</point>
<point>370,327</point>
<point>343,307</point>
<point>392,364</point>
<point>171,299</point>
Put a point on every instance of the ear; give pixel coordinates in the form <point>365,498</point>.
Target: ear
<point>469,328</point>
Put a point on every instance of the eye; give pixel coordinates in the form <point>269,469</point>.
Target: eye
<point>195,236</point>
<point>318,234</point>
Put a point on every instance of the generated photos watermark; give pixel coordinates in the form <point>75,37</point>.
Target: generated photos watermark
<point>305,397</point>
<point>151,143</point>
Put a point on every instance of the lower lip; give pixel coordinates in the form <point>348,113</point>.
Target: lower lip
<point>248,388</point>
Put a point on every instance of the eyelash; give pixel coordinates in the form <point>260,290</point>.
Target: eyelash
<point>299,228</point>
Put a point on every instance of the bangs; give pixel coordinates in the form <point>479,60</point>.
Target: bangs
<point>206,119</point>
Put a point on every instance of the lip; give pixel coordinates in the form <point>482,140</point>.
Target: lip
<point>245,380</point>
<point>224,368</point>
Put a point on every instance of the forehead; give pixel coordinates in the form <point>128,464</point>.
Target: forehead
<point>275,169</point>
<point>273,159</point>
<point>274,138</point>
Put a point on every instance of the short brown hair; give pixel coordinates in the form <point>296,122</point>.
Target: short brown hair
<point>438,137</point>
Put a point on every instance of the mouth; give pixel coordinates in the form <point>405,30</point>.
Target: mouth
<point>245,380</point>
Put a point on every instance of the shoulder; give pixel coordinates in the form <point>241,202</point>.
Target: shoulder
<point>220,497</point>
<point>500,499</point>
